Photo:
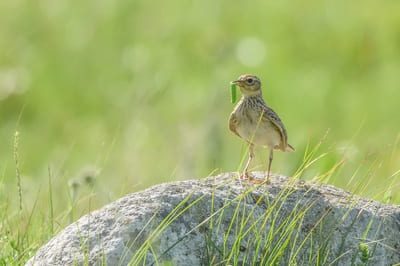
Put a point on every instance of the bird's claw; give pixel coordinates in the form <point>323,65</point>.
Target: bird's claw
<point>245,176</point>
<point>248,177</point>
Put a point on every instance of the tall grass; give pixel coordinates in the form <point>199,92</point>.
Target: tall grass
<point>272,238</point>
<point>269,239</point>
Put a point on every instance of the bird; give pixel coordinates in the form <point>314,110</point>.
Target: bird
<point>255,122</point>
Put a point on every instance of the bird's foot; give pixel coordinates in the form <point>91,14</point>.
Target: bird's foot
<point>247,176</point>
<point>243,176</point>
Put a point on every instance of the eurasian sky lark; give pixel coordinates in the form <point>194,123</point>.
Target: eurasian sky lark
<point>256,123</point>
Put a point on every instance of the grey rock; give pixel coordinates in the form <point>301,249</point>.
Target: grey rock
<point>220,220</point>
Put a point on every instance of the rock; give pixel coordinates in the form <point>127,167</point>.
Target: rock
<point>220,220</point>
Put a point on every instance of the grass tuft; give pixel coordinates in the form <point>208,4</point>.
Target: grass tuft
<point>17,168</point>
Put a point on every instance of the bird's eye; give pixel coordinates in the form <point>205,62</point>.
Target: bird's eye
<point>249,80</point>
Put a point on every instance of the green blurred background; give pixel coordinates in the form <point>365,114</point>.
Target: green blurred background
<point>138,91</point>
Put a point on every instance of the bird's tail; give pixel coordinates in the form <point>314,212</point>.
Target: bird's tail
<point>290,148</point>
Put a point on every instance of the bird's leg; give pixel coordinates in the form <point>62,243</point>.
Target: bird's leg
<point>251,156</point>
<point>271,156</point>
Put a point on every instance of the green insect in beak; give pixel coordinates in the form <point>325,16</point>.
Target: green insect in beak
<point>233,92</point>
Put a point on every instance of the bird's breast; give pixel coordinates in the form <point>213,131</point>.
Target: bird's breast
<point>251,127</point>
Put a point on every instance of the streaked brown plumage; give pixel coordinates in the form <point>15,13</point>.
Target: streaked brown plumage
<point>255,122</point>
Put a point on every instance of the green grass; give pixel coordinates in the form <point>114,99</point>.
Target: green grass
<point>140,92</point>
<point>266,240</point>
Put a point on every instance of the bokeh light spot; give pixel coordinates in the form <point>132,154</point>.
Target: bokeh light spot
<point>250,51</point>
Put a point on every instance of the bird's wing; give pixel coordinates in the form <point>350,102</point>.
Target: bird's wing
<point>233,124</point>
<point>270,115</point>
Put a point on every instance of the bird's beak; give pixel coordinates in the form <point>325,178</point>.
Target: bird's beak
<point>237,82</point>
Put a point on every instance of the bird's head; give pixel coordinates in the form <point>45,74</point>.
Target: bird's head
<point>249,84</point>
